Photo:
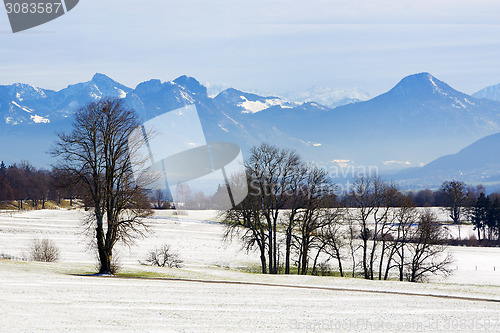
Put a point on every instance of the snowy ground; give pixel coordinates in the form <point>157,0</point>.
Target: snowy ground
<point>52,297</point>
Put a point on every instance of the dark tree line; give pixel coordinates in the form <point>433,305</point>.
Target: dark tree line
<point>468,204</point>
<point>24,184</point>
<point>450,193</point>
<point>485,215</point>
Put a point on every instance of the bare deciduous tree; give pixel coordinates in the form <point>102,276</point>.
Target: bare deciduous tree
<point>270,170</point>
<point>98,151</point>
<point>373,200</point>
<point>404,217</point>
<point>311,216</point>
<point>246,221</point>
<point>426,251</point>
<point>333,236</point>
<point>456,195</point>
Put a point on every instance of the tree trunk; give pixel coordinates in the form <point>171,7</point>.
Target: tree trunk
<point>305,250</point>
<point>288,245</point>
<point>104,256</point>
<point>263,260</point>
<point>389,260</point>
<point>365,249</point>
<point>316,259</point>
<point>401,264</point>
<point>339,259</point>
<point>270,252</point>
<point>299,262</point>
<point>381,260</point>
<point>275,250</point>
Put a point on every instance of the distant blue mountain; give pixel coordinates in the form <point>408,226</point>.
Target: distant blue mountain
<point>420,119</point>
<point>491,92</point>
<point>478,163</point>
<point>32,116</point>
<point>417,121</point>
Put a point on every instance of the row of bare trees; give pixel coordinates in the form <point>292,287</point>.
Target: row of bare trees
<point>278,179</point>
<point>394,233</point>
<point>291,217</point>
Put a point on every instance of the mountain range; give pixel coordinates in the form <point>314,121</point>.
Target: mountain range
<point>419,120</point>
<point>327,96</point>
<point>478,163</point>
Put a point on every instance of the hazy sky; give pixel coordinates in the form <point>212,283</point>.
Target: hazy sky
<point>272,45</point>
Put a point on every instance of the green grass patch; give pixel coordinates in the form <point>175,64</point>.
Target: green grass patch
<point>143,274</point>
<point>252,269</point>
<point>257,269</point>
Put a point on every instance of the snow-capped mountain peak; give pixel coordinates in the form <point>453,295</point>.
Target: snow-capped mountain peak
<point>250,103</point>
<point>425,87</point>
<point>328,96</point>
<point>22,91</point>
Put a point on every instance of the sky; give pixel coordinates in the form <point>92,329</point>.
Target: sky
<point>269,46</point>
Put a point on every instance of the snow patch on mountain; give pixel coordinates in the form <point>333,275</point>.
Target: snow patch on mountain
<point>234,121</point>
<point>22,107</point>
<point>121,93</point>
<point>436,87</point>
<point>185,96</point>
<point>256,106</point>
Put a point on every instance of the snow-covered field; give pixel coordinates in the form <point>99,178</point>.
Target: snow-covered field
<point>203,295</point>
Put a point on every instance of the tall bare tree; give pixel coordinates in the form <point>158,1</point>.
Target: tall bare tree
<point>98,151</point>
<point>333,236</point>
<point>290,217</point>
<point>368,194</point>
<point>405,216</point>
<point>455,193</point>
<point>426,251</point>
<point>311,216</point>
<point>247,222</point>
<point>271,171</point>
